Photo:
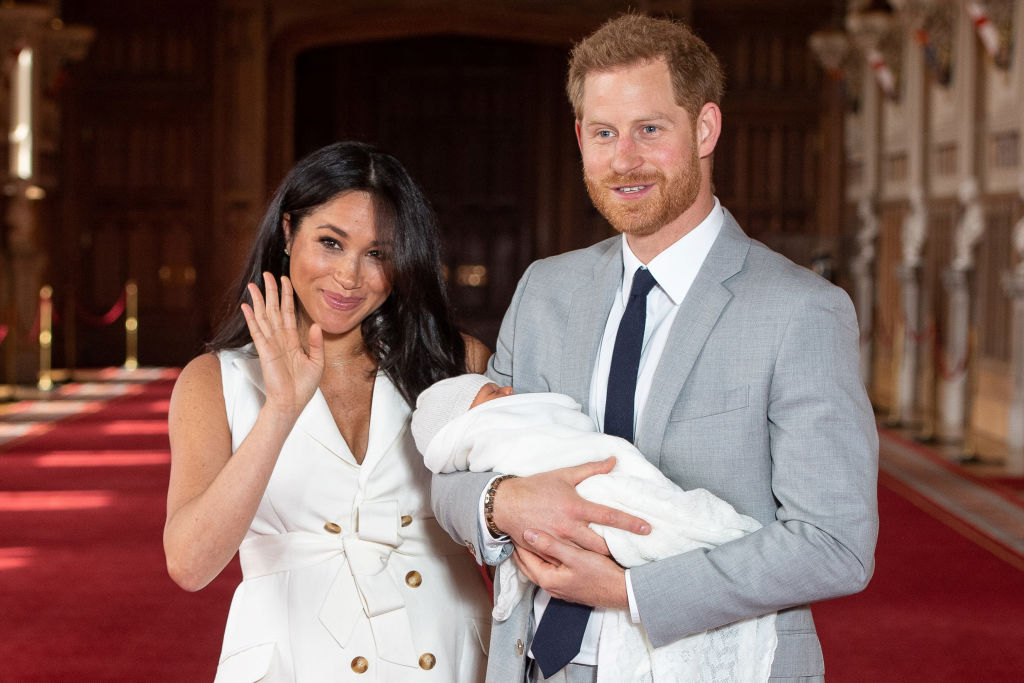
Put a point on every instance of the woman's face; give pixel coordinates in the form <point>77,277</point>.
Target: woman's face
<point>337,267</point>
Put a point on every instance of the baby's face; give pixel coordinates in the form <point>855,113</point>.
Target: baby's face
<point>488,392</point>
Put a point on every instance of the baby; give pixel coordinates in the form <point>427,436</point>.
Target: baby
<point>470,423</point>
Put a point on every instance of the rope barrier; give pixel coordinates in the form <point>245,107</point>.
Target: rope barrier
<point>46,318</point>
<point>107,318</point>
<point>950,372</point>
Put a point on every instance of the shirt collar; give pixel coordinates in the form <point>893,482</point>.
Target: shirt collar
<point>676,267</point>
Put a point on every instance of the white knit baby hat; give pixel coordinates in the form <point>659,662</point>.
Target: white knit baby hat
<point>442,402</point>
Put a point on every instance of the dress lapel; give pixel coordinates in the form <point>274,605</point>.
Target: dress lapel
<point>697,316</point>
<point>316,420</point>
<point>389,415</point>
<point>588,314</point>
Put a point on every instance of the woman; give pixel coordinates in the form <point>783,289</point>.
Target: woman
<point>290,442</point>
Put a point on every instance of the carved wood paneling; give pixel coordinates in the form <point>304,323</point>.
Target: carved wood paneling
<point>136,205</point>
<point>888,315</point>
<point>994,258</point>
<point>768,162</point>
<point>461,114</point>
<point>938,250</point>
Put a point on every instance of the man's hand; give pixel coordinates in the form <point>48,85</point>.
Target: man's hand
<point>548,502</point>
<point>573,574</point>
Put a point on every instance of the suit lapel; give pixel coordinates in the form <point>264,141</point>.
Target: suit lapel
<point>588,314</point>
<point>697,316</point>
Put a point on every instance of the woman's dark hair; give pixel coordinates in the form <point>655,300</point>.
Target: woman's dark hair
<point>412,335</point>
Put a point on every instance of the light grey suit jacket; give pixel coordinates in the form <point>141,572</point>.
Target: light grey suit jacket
<point>757,398</point>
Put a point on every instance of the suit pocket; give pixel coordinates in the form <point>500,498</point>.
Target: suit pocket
<point>248,665</point>
<point>711,404</point>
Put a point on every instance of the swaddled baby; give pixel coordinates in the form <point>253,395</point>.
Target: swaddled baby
<point>469,423</point>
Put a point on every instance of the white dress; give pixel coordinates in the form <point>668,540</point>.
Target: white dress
<point>346,574</point>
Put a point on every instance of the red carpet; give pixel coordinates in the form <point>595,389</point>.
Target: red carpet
<point>84,594</point>
<point>939,608</point>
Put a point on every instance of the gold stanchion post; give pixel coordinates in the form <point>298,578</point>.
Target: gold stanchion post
<point>45,382</point>
<point>131,326</point>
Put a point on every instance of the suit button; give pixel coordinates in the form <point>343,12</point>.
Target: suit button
<point>332,528</point>
<point>406,520</point>
<point>519,646</point>
<point>360,665</point>
<point>413,579</point>
<point>427,661</point>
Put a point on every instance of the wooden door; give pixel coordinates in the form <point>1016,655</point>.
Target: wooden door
<point>135,184</point>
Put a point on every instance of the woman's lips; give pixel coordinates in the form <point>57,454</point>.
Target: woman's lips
<point>342,303</point>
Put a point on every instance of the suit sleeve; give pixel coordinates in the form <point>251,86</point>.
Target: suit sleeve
<point>455,497</point>
<point>824,464</point>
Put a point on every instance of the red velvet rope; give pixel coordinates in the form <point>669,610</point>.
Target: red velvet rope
<point>107,318</point>
<point>946,370</point>
<point>87,318</point>
<point>33,332</point>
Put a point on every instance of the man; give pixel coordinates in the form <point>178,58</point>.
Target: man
<point>747,385</point>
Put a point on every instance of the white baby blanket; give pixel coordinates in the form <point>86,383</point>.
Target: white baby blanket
<point>525,434</point>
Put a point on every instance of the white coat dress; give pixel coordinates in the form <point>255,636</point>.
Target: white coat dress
<point>346,574</point>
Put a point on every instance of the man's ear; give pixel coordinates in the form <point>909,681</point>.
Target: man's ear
<point>579,138</point>
<point>709,127</point>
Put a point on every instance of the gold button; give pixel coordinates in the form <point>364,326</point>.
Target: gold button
<point>413,579</point>
<point>406,520</point>
<point>427,661</point>
<point>519,646</point>
<point>472,550</point>
<point>360,665</point>
<point>332,527</point>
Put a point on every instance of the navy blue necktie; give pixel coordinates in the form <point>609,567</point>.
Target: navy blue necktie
<point>560,632</point>
<point>629,341</point>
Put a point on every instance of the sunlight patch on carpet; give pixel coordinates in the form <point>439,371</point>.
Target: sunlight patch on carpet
<point>23,501</point>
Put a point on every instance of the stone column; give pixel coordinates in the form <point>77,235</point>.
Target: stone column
<point>1014,285</point>
<point>1013,282</point>
<point>953,405</point>
<point>906,397</point>
<point>955,387</point>
<point>867,30</point>
<point>864,283</point>
<point>914,230</point>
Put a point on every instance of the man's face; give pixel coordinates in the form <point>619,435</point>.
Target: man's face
<point>640,159</point>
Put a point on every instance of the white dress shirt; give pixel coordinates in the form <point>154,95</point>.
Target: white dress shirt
<point>674,269</point>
